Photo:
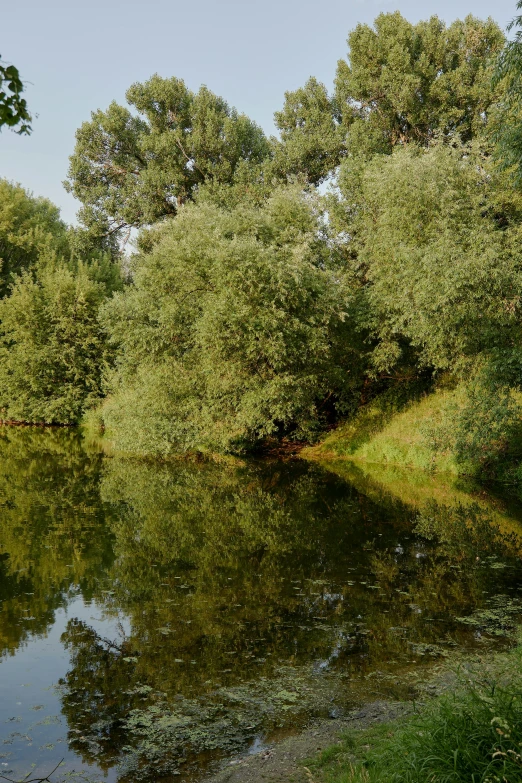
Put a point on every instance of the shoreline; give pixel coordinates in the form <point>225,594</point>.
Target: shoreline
<point>285,761</point>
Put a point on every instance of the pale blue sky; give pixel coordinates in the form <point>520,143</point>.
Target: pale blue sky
<point>79,56</point>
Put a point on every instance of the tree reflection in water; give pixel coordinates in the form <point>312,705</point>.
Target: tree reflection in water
<point>255,595</point>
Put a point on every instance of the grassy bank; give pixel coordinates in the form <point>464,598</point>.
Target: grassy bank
<point>395,431</point>
<point>472,734</point>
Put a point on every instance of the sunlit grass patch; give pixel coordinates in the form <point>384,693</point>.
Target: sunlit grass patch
<point>394,431</point>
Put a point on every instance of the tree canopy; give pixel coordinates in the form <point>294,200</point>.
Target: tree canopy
<point>234,329</point>
<point>507,129</point>
<point>437,256</point>
<point>407,82</point>
<point>52,347</point>
<point>401,83</point>
<point>130,169</point>
<point>312,136</point>
<point>31,231</point>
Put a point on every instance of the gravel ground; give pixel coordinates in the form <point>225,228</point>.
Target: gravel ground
<point>285,761</point>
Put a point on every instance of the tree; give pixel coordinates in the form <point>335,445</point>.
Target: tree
<point>437,254</point>
<point>13,107</point>
<point>401,83</point>
<point>311,134</point>
<point>31,231</point>
<point>434,236</point>
<point>130,170</point>
<point>235,329</point>
<point>507,129</point>
<point>407,83</point>
<point>52,347</point>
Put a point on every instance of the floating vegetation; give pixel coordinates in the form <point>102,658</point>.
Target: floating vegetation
<point>500,617</point>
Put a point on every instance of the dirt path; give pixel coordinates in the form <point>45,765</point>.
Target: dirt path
<point>284,762</point>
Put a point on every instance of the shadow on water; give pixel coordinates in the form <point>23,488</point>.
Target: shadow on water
<point>193,611</point>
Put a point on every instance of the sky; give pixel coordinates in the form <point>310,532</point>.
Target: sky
<point>79,56</point>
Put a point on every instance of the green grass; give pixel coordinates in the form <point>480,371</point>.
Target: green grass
<point>472,734</point>
<point>392,431</point>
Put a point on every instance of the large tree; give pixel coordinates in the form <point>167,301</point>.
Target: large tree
<point>404,82</point>
<point>234,329</point>
<point>436,250</point>
<point>401,83</point>
<point>131,168</point>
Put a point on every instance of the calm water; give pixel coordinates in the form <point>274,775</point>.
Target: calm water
<point>157,619</point>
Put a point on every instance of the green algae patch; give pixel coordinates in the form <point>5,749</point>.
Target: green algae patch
<point>164,736</point>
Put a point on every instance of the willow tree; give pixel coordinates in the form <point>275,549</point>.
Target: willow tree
<point>435,237</point>
<point>234,329</point>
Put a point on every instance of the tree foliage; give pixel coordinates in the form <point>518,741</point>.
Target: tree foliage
<point>401,83</point>
<point>52,347</point>
<point>407,83</point>
<point>31,232</point>
<point>235,329</point>
<point>311,140</point>
<point>132,169</point>
<point>507,128</point>
<point>14,111</point>
<point>259,309</point>
<point>440,263</point>
<point>433,240</point>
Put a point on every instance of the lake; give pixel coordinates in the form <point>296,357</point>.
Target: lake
<point>158,620</point>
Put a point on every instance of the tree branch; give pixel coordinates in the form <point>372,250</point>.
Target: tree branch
<point>34,780</point>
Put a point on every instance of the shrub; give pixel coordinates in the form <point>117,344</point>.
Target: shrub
<point>236,328</point>
<point>52,346</point>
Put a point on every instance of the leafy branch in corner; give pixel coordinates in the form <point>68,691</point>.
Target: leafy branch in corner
<point>13,107</point>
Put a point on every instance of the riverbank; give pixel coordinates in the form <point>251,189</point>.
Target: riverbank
<point>394,430</point>
<point>470,733</point>
<point>449,430</point>
<point>287,760</point>
<point>466,719</point>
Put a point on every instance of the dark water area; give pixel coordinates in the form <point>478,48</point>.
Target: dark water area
<point>157,620</point>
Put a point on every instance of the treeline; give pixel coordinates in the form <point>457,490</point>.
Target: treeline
<point>257,306</point>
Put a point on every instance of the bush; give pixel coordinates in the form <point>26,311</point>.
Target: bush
<point>236,328</point>
<point>52,346</point>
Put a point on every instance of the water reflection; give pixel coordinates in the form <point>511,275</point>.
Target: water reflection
<point>230,600</point>
<point>54,540</point>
